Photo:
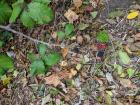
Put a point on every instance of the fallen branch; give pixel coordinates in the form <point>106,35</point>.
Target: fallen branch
<point>7,28</point>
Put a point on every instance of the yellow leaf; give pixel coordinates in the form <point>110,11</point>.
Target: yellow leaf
<point>133,15</point>
<point>5,80</point>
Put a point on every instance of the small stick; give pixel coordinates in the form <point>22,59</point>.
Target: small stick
<point>7,28</point>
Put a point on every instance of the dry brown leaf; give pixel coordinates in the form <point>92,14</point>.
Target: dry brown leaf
<point>72,73</point>
<point>55,79</point>
<point>127,83</point>
<point>63,63</point>
<point>137,36</point>
<point>80,39</point>
<point>128,49</point>
<point>64,52</point>
<point>77,3</point>
<point>71,16</point>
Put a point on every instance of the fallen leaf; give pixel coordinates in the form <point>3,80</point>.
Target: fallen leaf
<point>108,100</point>
<point>119,103</point>
<point>78,66</point>
<point>5,80</point>
<point>133,15</point>
<point>137,37</point>
<point>72,73</point>
<point>82,26</point>
<point>55,79</point>
<point>80,39</point>
<point>127,83</point>
<point>77,3</point>
<point>46,99</point>
<point>71,16</point>
<point>128,49</point>
<point>64,52</point>
<point>109,93</point>
<point>124,58</point>
<point>63,63</point>
<point>130,72</point>
<point>94,14</point>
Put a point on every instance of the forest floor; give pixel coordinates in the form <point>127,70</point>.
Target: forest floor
<point>98,76</point>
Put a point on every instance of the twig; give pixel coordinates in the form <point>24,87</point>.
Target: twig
<point>7,28</point>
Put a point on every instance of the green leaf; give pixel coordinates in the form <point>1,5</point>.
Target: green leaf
<point>119,69</point>
<point>94,14</point>
<point>5,12</point>
<point>61,34</point>
<point>42,49</point>
<point>82,26</point>
<point>2,72</point>
<point>1,43</point>
<point>43,1</point>
<point>40,13</point>
<point>69,28</point>
<point>17,8</point>
<point>130,72</point>
<point>108,100</point>
<point>6,62</point>
<point>26,20</point>
<point>124,58</point>
<point>37,67</point>
<point>116,13</point>
<point>103,36</point>
<point>32,57</point>
<point>52,59</point>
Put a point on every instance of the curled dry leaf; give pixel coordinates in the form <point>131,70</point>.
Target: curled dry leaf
<point>77,3</point>
<point>137,37</point>
<point>71,16</point>
<point>128,49</point>
<point>127,83</point>
<point>64,52</point>
<point>55,79</point>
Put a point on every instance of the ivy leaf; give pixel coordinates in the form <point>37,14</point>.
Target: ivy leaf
<point>42,49</point>
<point>40,13</point>
<point>43,1</point>
<point>61,34</point>
<point>124,58</point>
<point>103,36</point>
<point>69,28</point>
<point>130,72</point>
<point>6,62</point>
<point>5,12</point>
<point>52,59</point>
<point>37,67</point>
<point>17,8</point>
<point>26,20</point>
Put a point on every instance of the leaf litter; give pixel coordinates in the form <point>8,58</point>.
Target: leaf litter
<point>79,73</point>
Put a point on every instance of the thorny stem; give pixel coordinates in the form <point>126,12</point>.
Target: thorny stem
<point>7,28</point>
